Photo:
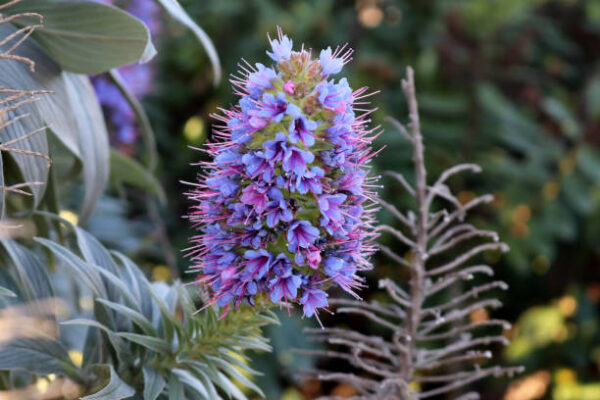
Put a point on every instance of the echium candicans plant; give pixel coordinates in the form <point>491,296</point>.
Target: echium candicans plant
<point>284,209</point>
<point>430,346</point>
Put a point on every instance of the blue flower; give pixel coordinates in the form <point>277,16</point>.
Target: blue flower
<point>310,181</point>
<point>301,234</point>
<point>313,299</point>
<point>295,160</point>
<point>302,129</point>
<point>257,264</point>
<point>275,149</point>
<point>274,108</point>
<point>331,65</point>
<point>277,209</point>
<point>282,49</point>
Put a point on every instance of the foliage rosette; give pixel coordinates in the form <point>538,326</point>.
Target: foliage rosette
<point>284,210</point>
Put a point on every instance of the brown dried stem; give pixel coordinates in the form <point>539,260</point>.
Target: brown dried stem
<point>432,345</point>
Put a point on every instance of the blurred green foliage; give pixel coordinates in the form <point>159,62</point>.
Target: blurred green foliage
<point>513,85</point>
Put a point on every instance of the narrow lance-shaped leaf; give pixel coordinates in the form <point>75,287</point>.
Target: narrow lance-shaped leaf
<point>115,389</point>
<point>178,13</point>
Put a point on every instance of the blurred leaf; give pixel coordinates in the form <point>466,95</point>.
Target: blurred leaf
<point>115,389</point>
<point>578,194</point>
<point>175,387</point>
<point>7,293</point>
<point>178,13</point>
<point>154,384</point>
<point>124,169</point>
<point>88,37</point>
<point>42,356</point>
<point>562,116</point>
<point>588,161</point>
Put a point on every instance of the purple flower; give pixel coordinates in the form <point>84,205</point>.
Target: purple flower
<point>301,128</point>
<point>257,264</point>
<point>282,49</point>
<point>333,265</point>
<point>331,65</point>
<point>285,284</point>
<point>288,175</point>
<point>277,209</point>
<point>275,149</point>
<point>274,108</point>
<point>301,234</point>
<point>295,160</point>
<point>225,185</point>
<point>313,299</point>
<point>310,181</point>
<point>329,207</point>
<point>260,80</point>
<point>257,164</point>
<point>255,196</point>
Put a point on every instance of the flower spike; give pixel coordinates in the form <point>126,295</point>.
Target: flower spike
<point>284,211</point>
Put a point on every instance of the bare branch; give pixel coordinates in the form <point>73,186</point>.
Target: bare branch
<point>463,258</point>
<point>399,235</point>
<point>401,180</point>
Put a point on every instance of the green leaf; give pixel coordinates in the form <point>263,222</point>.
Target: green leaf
<point>153,343</point>
<point>154,384</point>
<point>7,293</point>
<point>88,37</point>
<point>124,169</point>
<point>39,355</point>
<point>191,381</point>
<point>234,373</point>
<point>29,273</point>
<point>115,389</point>
<point>229,387</point>
<point>119,345</point>
<point>135,317</point>
<point>178,13</point>
<point>175,388</point>
<point>92,140</point>
<point>88,274</point>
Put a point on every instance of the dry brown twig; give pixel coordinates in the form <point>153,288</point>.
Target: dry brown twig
<point>431,348</point>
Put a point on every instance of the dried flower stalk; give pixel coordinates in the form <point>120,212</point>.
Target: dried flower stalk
<point>432,348</point>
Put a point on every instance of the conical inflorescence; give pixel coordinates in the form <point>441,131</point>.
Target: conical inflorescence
<point>284,210</point>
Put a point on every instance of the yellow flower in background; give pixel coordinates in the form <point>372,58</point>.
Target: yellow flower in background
<point>76,356</point>
<point>69,216</point>
<point>193,130</point>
